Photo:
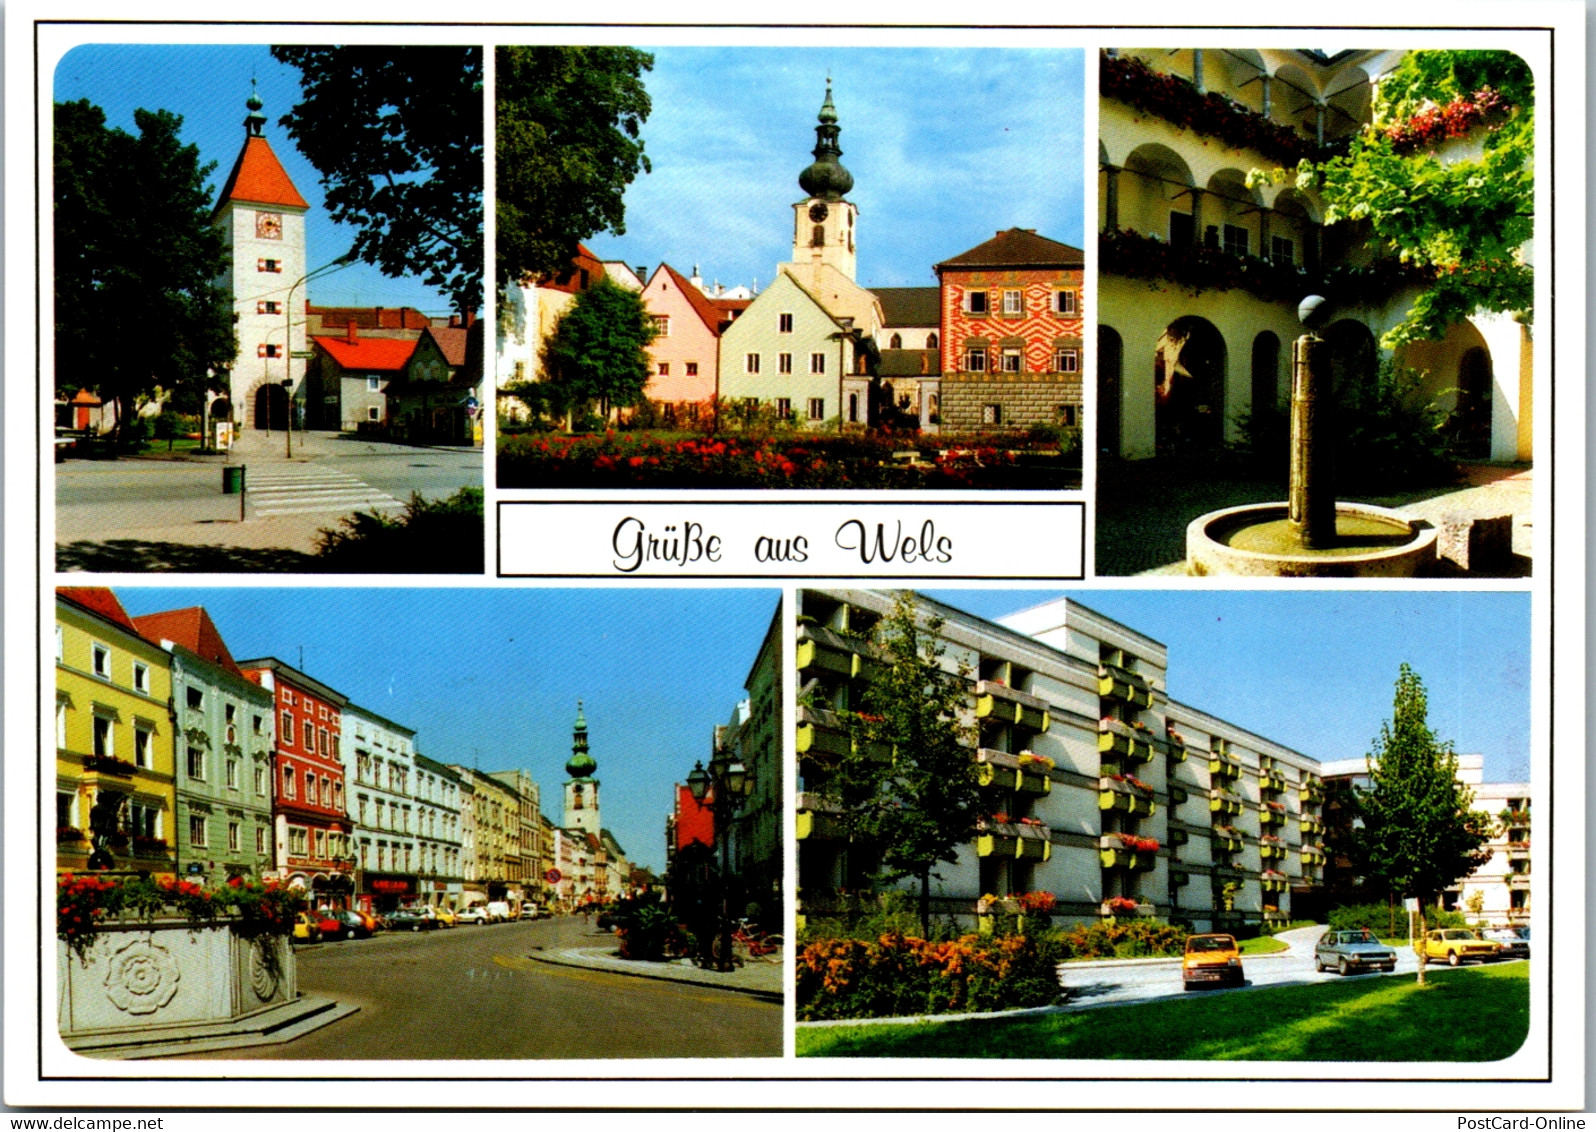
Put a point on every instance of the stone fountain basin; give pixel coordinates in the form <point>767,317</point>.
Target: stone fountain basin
<point>1377,542</point>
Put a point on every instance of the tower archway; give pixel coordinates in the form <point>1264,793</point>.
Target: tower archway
<point>1189,367</point>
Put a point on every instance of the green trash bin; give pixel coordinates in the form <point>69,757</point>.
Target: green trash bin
<point>232,479</point>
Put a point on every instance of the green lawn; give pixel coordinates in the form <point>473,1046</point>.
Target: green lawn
<point>1263,945</point>
<point>1463,1015</point>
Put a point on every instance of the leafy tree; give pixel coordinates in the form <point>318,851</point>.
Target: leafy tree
<point>918,805</point>
<point>137,306</point>
<point>1420,834</point>
<point>1463,221</point>
<point>598,351</point>
<point>569,120</point>
<point>396,133</point>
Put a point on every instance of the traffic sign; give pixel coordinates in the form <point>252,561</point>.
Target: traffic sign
<point>552,876</point>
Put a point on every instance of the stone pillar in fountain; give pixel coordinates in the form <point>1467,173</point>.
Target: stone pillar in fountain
<point>1312,500</point>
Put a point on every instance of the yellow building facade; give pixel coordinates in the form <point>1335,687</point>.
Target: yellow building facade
<point>115,762</point>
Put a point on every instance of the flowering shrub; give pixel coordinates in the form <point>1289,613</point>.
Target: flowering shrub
<point>84,902</point>
<point>898,974</point>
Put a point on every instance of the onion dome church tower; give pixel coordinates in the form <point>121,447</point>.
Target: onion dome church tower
<point>823,225</point>
<point>582,789</point>
<point>262,218</point>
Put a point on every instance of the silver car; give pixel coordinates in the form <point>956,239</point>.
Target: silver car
<point>1350,951</point>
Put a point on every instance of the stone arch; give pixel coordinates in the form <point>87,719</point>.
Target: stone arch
<point>271,406</point>
<point>931,340</point>
<point>1189,378</point>
<point>1230,203</point>
<point>1110,389</point>
<point>1354,355</point>
<point>1472,418</point>
<point>1266,387</point>
<point>896,342</point>
<point>1153,192</point>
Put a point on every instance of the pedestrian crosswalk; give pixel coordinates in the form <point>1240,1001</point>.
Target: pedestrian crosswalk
<point>307,489</point>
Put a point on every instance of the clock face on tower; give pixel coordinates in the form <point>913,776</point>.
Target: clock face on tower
<point>817,211</point>
<point>269,225</point>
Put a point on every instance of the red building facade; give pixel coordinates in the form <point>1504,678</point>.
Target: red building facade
<point>309,815</point>
<point>1012,334</point>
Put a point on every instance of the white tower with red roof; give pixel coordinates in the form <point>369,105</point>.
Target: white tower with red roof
<point>263,218</point>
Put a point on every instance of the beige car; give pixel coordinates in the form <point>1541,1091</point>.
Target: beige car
<point>1457,945</point>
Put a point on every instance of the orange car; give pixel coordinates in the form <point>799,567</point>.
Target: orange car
<point>1211,960</point>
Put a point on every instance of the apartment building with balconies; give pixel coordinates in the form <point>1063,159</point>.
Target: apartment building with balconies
<point>1095,786</point>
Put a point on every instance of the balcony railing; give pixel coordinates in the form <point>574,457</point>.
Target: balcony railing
<point>1025,841</point>
<point>1225,839</point>
<point>1223,766</point>
<point>108,764</point>
<point>821,733</point>
<point>1114,853</point>
<point>818,819</point>
<point>1113,794</point>
<point>1271,782</point>
<point>1123,741</point>
<point>1003,704</point>
<point>1312,826</point>
<point>1273,882</point>
<point>1268,815</point>
<point>1025,772</point>
<point>1518,880</point>
<point>1224,802</point>
<point>1271,851</point>
<point>1116,683</point>
<point>826,650</point>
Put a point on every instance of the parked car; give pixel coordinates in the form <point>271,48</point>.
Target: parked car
<point>476,914</point>
<point>529,910</point>
<point>1457,945</point>
<point>1513,942</point>
<point>350,924</point>
<point>444,916</point>
<point>410,920</point>
<point>498,911</point>
<point>1353,951</point>
<point>307,927</point>
<point>1211,960</point>
<point>328,922</point>
<point>373,922</point>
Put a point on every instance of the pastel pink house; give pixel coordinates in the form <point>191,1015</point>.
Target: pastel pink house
<point>683,358</point>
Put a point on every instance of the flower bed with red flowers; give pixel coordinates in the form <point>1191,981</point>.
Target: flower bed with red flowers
<point>639,459</point>
<point>1430,127</point>
<point>86,901</point>
<point>1178,101</point>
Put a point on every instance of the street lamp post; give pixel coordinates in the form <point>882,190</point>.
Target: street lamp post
<point>288,341</point>
<point>726,783</point>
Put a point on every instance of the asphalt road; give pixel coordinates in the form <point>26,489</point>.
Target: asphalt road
<point>1095,985</point>
<point>142,507</point>
<point>473,992</point>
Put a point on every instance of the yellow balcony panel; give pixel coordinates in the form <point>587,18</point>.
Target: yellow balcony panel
<point>1004,704</point>
<point>1272,852</point>
<point>826,650</point>
<point>1116,683</point>
<point>1267,816</point>
<point>1113,794</point>
<point>1019,840</point>
<point>822,733</point>
<point>1124,741</point>
<point>1223,767</point>
<point>818,819</point>
<point>1312,825</point>
<point>1271,782</point>
<point>1224,802</point>
<point>1025,772</point>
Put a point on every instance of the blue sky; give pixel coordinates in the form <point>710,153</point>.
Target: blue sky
<point>946,147</point>
<point>207,86</point>
<point>490,677</point>
<point>1316,671</point>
